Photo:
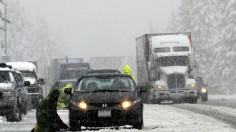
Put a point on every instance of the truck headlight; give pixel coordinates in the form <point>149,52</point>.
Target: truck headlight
<point>159,87</point>
<point>203,90</point>
<point>193,85</point>
<point>8,94</point>
<point>83,105</point>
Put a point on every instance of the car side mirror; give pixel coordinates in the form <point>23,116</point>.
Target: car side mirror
<point>68,91</point>
<point>41,81</point>
<point>26,83</point>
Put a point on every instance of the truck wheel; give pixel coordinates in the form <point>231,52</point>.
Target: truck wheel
<point>26,109</point>
<point>205,99</point>
<point>193,100</point>
<point>15,115</point>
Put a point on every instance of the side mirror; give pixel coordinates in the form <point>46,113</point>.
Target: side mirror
<point>143,89</point>
<point>26,83</point>
<point>68,91</point>
<point>41,81</point>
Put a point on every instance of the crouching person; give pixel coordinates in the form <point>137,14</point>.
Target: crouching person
<point>46,114</point>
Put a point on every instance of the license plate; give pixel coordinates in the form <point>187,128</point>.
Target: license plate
<point>104,113</point>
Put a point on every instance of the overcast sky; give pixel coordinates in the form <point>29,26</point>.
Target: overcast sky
<point>95,28</point>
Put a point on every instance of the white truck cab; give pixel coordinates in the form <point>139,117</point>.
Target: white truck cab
<point>29,73</point>
<point>169,63</point>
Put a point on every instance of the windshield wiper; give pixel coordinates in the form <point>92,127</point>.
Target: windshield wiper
<point>4,77</point>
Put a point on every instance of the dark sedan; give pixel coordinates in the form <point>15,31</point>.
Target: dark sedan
<point>105,101</point>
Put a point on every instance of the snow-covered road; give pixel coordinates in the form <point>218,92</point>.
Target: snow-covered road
<point>164,118</point>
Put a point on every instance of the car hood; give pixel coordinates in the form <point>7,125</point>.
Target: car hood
<point>105,97</point>
<point>30,79</point>
<point>6,86</point>
<point>174,69</point>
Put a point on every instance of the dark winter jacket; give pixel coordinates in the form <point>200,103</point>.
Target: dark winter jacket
<point>46,114</point>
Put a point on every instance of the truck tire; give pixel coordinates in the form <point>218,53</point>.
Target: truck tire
<point>14,115</point>
<point>204,98</point>
<point>193,100</point>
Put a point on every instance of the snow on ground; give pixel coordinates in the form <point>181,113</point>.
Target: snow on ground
<point>161,118</point>
<point>222,97</point>
<point>166,118</point>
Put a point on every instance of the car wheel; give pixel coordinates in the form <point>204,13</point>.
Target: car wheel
<point>15,115</point>
<point>74,125</point>
<point>139,124</point>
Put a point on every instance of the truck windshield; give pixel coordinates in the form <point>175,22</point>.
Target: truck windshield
<point>4,76</point>
<point>173,61</point>
<point>106,83</point>
<point>28,74</point>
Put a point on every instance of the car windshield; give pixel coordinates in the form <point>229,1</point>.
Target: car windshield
<point>173,61</point>
<point>106,83</point>
<point>4,76</point>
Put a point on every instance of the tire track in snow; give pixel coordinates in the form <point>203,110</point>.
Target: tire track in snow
<point>222,116</point>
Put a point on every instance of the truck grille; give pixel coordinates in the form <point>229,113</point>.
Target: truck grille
<point>32,89</point>
<point>176,81</point>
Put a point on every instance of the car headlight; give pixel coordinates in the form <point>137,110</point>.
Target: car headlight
<point>126,104</point>
<point>8,94</point>
<point>83,105</point>
<point>159,87</point>
<point>203,90</point>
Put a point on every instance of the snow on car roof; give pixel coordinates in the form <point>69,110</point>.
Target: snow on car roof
<point>22,66</point>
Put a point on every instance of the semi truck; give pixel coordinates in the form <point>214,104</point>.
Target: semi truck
<point>68,70</point>
<point>164,65</point>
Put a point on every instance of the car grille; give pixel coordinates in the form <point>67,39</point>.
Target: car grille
<point>176,81</point>
<point>103,104</point>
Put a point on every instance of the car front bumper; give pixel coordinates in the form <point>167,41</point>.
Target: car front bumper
<point>118,116</point>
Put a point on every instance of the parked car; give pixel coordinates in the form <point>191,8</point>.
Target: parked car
<point>105,100</point>
<point>24,94</point>
<point>202,89</point>
<point>10,93</point>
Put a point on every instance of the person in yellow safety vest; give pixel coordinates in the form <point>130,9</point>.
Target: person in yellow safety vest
<point>127,71</point>
<point>63,99</point>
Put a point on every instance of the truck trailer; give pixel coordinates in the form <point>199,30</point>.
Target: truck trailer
<point>68,69</point>
<point>164,65</point>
